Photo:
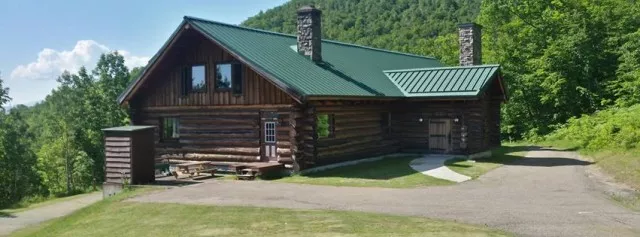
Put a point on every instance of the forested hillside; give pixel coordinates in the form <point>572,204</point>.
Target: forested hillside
<point>413,26</point>
<point>561,59</point>
<point>55,147</point>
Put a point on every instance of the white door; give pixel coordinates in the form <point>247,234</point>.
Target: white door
<point>269,142</point>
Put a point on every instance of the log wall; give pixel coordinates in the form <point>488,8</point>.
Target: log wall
<point>163,87</point>
<point>358,132</point>
<point>481,117</point>
<point>219,133</point>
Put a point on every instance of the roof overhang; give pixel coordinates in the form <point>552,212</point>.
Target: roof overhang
<point>446,82</point>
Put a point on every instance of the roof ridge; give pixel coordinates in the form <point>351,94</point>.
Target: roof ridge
<point>441,68</point>
<point>294,36</point>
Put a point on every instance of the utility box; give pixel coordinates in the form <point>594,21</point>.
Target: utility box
<point>129,155</point>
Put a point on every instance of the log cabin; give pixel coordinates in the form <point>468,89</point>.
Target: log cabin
<point>221,92</point>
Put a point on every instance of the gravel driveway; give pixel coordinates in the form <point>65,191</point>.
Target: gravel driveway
<point>40,214</point>
<point>545,194</point>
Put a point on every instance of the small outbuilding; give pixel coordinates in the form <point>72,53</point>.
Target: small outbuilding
<point>129,155</point>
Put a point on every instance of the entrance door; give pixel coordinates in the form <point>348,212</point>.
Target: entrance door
<point>269,143</point>
<point>439,135</point>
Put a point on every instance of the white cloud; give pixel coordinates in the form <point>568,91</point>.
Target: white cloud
<point>33,81</point>
<point>51,63</point>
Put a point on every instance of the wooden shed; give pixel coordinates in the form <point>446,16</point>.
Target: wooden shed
<point>129,154</point>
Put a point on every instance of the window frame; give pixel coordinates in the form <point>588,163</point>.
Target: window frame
<point>187,81</point>
<point>331,125</point>
<point>270,127</point>
<point>231,88</point>
<point>204,88</point>
<point>175,136</point>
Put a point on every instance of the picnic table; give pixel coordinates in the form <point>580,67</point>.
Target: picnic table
<point>194,168</point>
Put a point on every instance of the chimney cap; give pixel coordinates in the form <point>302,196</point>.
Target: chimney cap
<point>469,25</point>
<point>309,9</point>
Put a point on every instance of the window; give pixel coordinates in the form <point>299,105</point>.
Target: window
<point>229,77</point>
<point>270,132</point>
<point>194,79</point>
<point>170,128</point>
<point>325,125</point>
<point>385,122</point>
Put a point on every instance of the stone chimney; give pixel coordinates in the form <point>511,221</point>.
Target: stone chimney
<point>310,32</point>
<point>470,39</point>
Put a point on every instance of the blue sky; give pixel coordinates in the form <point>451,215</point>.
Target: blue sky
<point>39,39</point>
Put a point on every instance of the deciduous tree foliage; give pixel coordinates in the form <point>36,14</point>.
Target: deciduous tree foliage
<point>560,58</point>
<point>411,26</point>
<point>55,147</point>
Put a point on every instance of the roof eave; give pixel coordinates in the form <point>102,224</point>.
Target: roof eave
<point>126,95</point>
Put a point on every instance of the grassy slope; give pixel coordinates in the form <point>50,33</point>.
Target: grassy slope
<point>389,172</point>
<point>113,217</point>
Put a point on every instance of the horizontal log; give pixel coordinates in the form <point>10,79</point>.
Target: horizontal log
<point>117,144</point>
<point>210,157</point>
<point>117,165</point>
<point>118,149</point>
<point>368,149</point>
<point>117,154</point>
<point>118,160</point>
<point>339,109</point>
<point>254,114</point>
<point>117,170</point>
<point>367,146</point>
<point>349,145</point>
<point>218,135</point>
<point>223,143</point>
<point>230,128</point>
<point>357,128</point>
<point>117,139</point>
<point>249,151</point>
<point>285,160</point>
<point>215,107</point>
<point>219,121</point>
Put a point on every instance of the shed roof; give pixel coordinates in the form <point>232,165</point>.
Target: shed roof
<point>127,128</point>
<point>443,81</point>
<point>347,70</point>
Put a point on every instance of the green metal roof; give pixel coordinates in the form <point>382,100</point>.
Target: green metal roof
<point>346,70</point>
<point>443,81</point>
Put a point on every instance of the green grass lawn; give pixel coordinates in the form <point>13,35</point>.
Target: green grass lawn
<point>391,172</point>
<point>114,217</point>
<point>500,156</point>
<point>395,172</point>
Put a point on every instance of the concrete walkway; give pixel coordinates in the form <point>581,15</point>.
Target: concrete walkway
<point>545,194</point>
<point>37,215</point>
<point>433,165</point>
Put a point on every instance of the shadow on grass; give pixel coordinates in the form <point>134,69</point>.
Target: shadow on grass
<point>385,169</point>
<point>506,156</point>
